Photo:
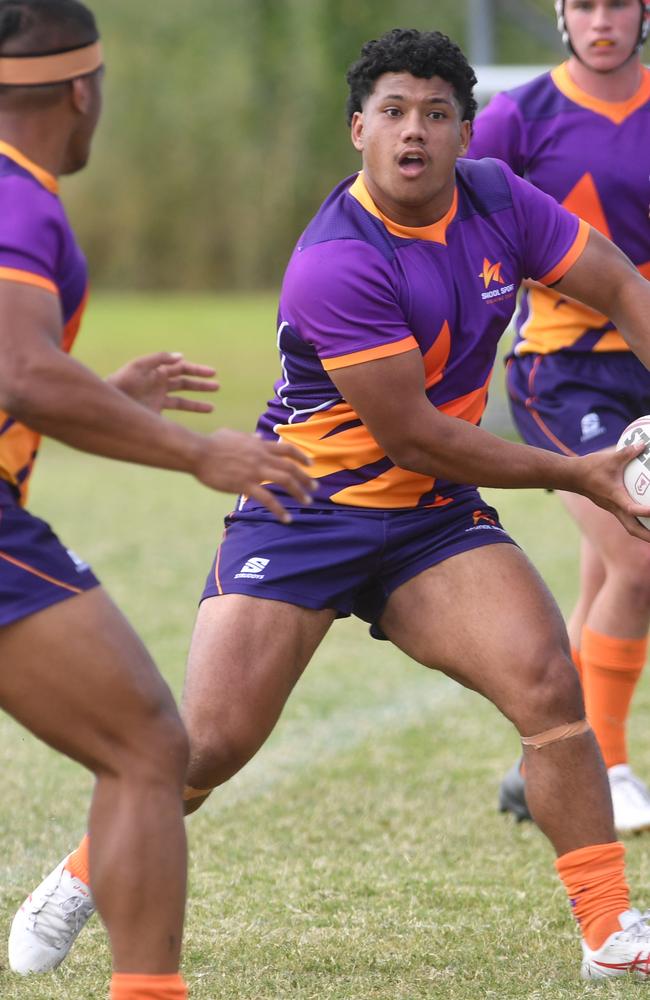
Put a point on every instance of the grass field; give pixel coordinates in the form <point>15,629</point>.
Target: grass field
<point>360,856</point>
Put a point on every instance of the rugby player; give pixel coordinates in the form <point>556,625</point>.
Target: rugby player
<point>580,133</point>
<point>75,673</point>
<point>391,309</point>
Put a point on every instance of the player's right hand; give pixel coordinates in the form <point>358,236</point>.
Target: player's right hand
<point>602,482</point>
<point>234,462</point>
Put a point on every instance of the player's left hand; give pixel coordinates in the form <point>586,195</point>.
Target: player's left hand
<point>151,380</point>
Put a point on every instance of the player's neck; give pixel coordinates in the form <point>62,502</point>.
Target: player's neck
<point>42,146</point>
<point>619,85</point>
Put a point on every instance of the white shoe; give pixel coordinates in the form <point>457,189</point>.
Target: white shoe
<point>630,798</point>
<point>46,925</point>
<point>625,952</point>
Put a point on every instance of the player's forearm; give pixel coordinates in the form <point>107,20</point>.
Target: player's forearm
<point>58,397</point>
<point>449,448</point>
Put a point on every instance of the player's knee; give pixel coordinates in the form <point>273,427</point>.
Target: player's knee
<point>150,745</point>
<point>552,695</point>
<point>634,580</point>
<point>216,754</point>
<point>168,744</point>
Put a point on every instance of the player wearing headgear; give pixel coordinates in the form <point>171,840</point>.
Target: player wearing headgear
<point>73,671</point>
<point>390,312</point>
<point>581,134</point>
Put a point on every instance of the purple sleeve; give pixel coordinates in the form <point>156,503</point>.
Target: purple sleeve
<point>340,297</point>
<point>552,237</point>
<point>30,229</point>
<point>499,133</point>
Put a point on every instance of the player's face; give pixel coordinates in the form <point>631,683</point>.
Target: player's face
<point>603,33</point>
<point>410,135</point>
<point>88,100</point>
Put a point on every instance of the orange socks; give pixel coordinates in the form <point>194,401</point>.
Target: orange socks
<point>610,671</point>
<point>594,878</point>
<point>77,863</point>
<point>130,987</point>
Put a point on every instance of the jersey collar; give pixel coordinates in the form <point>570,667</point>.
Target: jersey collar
<point>434,233</point>
<point>616,111</point>
<point>43,177</point>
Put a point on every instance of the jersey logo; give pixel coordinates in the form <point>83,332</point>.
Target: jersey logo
<point>490,273</point>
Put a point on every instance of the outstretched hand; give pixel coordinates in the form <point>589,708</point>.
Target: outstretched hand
<point>239,463</point>
<point>151,380</point>
<point>603,483</point>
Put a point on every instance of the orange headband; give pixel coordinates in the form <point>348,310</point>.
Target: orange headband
<point>30,71</point>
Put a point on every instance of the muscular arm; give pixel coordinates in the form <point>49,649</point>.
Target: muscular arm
<point>389,396</point>
<point>605,279</point>
<point>52,393</point>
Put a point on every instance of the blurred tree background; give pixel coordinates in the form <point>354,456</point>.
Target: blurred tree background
<point>224,127</point>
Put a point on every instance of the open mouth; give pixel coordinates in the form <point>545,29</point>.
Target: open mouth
<point>412,163</point>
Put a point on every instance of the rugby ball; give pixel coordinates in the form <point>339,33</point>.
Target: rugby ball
<point>636,474</point>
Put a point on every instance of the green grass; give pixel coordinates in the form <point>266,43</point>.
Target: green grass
<point>360,856</point>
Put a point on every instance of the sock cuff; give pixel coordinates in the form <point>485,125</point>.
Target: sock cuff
<point>596,859</point>
<point>132,986</point>
<point>612,653</point>
<point>77,862</point>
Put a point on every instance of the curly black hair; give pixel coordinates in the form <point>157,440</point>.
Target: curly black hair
<point>423,54</point>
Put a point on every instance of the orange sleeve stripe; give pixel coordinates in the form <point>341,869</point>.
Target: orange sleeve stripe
<point>372,354</point>
<point>27,278</point>
<point>571,257</point>
<point>36,572</point>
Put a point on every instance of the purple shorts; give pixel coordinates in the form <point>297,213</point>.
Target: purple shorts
<point>347,559</point>
<point>576,403</point>
<point>35,568</point>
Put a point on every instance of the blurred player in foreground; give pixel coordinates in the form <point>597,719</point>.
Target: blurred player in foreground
<point>390,313</point>
<point>74,673</point>
<point>581,133</point>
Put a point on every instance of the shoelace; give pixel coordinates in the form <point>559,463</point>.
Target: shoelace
<point>59,917</point>
<point>639,929</point>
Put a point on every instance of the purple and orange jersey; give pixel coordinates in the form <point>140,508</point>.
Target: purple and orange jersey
<point>359,287</point>
<point>593,157</point>
<point>37,247</point>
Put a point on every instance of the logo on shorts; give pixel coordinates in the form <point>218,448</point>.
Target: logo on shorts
<point>491,275</point>
<point>482,521</point>
<point>252,570</point>
<point>590,427</point>
<point>79,564</point>
<point>482,516</point>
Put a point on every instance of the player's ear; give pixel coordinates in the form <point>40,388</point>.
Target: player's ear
<point>465,136</point>
<point>81,94</point>
<point>356,130</point>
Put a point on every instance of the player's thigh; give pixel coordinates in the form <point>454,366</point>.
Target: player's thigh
<point>486,618</point>
<point>77,675</point>
<point>246,655</point>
